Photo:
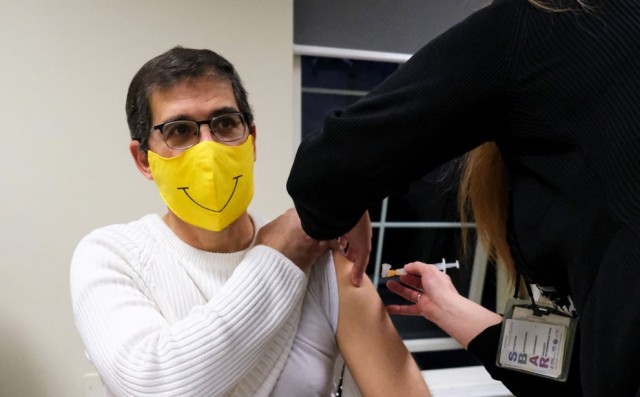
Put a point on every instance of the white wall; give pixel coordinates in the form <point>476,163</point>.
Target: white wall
<point>65,66</point>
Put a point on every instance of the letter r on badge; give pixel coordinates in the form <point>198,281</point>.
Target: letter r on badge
<point>544,362</point>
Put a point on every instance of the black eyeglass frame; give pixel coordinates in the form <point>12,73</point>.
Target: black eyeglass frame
<point>160,127</point>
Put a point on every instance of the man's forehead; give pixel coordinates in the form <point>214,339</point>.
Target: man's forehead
<point>204,83</point>
<point>192,95</point>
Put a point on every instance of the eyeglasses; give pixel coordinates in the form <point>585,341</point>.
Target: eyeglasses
<point>182,134</point>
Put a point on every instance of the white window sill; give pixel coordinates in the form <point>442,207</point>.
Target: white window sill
<point>464,382</point>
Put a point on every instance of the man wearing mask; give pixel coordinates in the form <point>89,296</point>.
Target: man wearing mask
<point>198,302</point>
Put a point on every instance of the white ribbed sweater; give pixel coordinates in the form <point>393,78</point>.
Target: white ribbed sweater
<point>158,317</point>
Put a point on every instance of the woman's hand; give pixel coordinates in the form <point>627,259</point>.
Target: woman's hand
<point>428,288</point>
<point>356,244</point>
<point>435,298</point>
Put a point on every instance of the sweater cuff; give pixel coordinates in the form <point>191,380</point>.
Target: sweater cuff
<point>484,346</point>
<point>266,287</point>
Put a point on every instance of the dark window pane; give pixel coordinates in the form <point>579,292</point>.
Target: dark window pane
<point>344,74</point>
<point>315,108</point>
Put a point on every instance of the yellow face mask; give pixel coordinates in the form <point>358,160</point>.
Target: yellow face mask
<point>208,185</point>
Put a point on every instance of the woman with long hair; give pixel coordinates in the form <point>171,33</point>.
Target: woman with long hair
<point>544,95</point>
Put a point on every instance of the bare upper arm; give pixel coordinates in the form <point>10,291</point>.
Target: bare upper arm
<point>372,348</point>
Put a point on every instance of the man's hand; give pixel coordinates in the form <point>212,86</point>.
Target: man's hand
<point>285,234</point>
<point>357,247</point>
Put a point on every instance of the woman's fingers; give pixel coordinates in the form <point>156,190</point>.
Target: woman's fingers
<point>412,281</point>
<point>404,310</point>
<point>407,293</point>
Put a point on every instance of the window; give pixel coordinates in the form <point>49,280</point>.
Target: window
<point>418,224</point>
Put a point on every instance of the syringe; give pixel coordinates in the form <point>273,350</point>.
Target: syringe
<point>442,266</point>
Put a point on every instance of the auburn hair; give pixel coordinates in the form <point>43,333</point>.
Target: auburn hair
<point>484,192</point>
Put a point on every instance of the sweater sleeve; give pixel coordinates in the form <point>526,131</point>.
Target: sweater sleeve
<point>443,102</point>
<point>139,353</point>
<point>484,348</point>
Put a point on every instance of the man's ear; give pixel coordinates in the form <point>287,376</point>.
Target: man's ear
<point>141,159</point>
<point>253,132</point>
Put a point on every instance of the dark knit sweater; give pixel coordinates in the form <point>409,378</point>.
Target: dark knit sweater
<point>560,94</point>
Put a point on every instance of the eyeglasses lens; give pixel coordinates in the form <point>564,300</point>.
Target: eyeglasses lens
<point>229,127</point>
<point>180,134</point>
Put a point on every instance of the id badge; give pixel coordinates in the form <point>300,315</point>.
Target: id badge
<point>536,344</point>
